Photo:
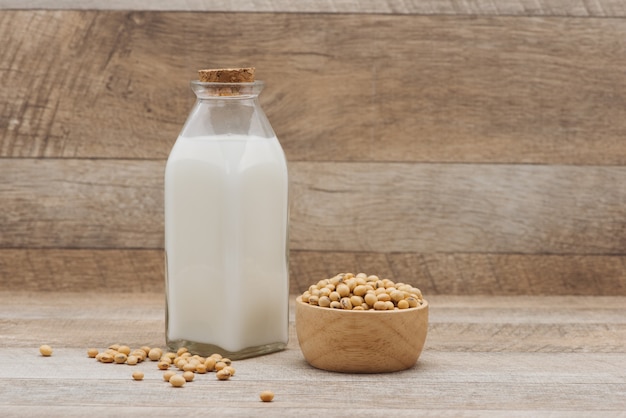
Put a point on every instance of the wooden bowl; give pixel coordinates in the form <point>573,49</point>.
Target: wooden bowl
<point>361,341</point>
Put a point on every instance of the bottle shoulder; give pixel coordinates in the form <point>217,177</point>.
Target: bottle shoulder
<point>227,148</point>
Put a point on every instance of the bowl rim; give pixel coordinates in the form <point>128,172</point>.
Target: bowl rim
<point>369,311</point>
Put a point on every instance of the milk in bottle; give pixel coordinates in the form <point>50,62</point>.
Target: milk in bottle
<point>226,227</point>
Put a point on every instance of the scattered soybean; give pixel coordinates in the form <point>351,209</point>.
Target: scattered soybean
<point>45,350</point>
<point>223,374</point>
<point>183,359</point>
<point>267,396</point>
<point>177,381</point>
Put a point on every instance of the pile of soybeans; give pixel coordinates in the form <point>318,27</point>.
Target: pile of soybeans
<point>189,365</point>
<point>362,292</point>
<point>183,360</point>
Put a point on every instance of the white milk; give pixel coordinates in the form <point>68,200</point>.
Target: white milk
<point>226,245</point>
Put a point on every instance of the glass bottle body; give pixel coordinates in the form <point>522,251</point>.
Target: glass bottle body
<point>226,228</point>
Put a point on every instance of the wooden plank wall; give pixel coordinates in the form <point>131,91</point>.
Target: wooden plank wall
<point>467,147</point>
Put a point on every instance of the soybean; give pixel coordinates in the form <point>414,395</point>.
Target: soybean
<point>346,303</point>
<point>120,358</point>
<point>45,350</point>
<point>324,302</point>
<point>343,290</point>
<point>168,374</point>
<point>124,349</point>
<point>380,306</point>
<point>356,300</point>
<point>106,358</point>
<point>177,381</point>
<point>267,396</point>
<point>210,363</point>
<point>371,299</point>
<point>360,290</point>
<point>140,354</point>
<point>155,354</point>
<point>189,367</point>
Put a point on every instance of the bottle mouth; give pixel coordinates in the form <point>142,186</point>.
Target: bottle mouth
<point>204,89</point>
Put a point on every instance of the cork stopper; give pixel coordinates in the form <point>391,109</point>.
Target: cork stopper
<point>227,75</point>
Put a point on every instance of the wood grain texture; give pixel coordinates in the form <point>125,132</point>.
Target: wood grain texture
<point>340,87</point>
<point>327,337</point>
<point>350,207</point>
<point>514,356</point>
<point>135,271</point>
<point>604,8</point>
<point>82,270</point>
<point>458,208</point>
<point>472,274</point>
<point>573,324</point>
<point>473,147</point>
<point>82,203</point>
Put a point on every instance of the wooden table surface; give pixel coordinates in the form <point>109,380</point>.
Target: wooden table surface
<point>484,356</point>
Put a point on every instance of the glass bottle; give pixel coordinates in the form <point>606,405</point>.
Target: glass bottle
<point>226,227</point>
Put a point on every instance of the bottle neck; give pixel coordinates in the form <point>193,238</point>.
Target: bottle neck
<point>237,91</point>
<point>227,109</point>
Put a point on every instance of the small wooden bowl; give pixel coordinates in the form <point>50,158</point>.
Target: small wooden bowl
<point>361,341</point>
